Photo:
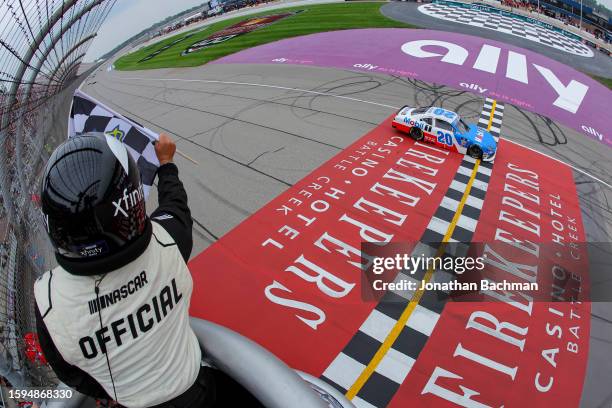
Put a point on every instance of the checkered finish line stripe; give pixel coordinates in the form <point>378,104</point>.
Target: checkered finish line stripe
<point>507,24</point>
<point>368,370</point>
<point>495,120</point>
<point>90,115</point>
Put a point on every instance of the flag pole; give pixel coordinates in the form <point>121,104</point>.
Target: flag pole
<point>177,151</point>
<point>187,157</point>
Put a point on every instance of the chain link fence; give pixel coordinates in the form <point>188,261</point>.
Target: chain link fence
<point>42,44</point>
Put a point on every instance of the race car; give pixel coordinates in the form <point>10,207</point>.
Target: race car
<point>445,128</point>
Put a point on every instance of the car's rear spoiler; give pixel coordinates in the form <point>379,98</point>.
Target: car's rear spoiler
<point>403,107</point>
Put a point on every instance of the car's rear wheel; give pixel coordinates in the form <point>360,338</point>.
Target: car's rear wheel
<point>416,134</point>
<point>475,152</point>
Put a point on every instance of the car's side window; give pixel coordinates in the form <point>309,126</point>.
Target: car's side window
<point>427,120</point>
<point>442,124</point>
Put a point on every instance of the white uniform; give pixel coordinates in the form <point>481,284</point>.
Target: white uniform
<point>138,319</point>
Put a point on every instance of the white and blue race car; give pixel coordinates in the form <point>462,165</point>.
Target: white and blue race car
<point>445,128</point>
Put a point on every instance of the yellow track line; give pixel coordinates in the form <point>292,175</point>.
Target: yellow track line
<point>401,322</point>
<point>491,117</point>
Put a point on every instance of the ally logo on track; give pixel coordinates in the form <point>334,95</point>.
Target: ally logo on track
<point>569,97</point>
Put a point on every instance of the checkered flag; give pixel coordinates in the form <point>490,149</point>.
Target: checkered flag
<point>90,115</point>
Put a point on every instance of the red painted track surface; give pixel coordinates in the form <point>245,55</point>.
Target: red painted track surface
<point>548,345</point>
<point>264,278</point>
<point>231,276</point>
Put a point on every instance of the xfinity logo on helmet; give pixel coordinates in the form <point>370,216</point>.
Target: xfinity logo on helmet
<point>569,96</point>
<point>129,200</point>
<point>93,250</point>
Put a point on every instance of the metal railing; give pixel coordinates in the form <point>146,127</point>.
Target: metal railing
<point>42,43</point>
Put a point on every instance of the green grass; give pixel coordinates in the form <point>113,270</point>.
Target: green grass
<point>606,81</point>
<point>314,19</point>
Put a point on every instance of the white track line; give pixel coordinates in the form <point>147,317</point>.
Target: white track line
<point>263,86</point>
<point>347,98</point>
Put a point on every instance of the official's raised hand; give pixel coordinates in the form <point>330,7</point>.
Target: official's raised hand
<point>165,148</point>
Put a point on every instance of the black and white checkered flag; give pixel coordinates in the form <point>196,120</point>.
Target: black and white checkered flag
<point>90,115</point>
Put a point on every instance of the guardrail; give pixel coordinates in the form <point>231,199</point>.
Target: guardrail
<point>265,376</point>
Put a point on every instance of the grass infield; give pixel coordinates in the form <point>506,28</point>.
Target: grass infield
<point>313,19</point>
<point>606,81</point>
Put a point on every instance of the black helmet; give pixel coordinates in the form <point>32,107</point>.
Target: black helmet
<point>92,197</point>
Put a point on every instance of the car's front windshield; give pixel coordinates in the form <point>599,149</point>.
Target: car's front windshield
<point>462,126</point>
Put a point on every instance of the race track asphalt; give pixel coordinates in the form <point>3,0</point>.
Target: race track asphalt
<point>255,130</point>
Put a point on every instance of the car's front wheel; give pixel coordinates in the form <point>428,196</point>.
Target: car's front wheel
<point>475,152</point>
<point>416,134</point>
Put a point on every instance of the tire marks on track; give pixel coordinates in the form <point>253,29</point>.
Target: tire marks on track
<point>204,232</point>
<point>542,132</point>
<point>186,139</point>
<point>230,118</point>
<point>275,101</point>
